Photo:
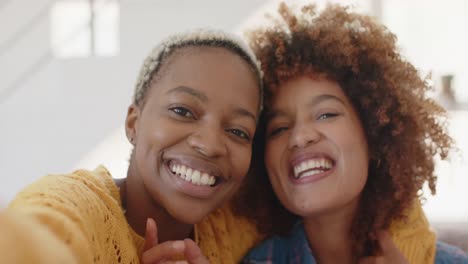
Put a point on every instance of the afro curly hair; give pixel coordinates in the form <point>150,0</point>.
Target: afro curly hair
<point>405,129</point>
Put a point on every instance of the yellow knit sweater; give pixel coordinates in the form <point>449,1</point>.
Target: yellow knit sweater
<point>414,237</point>
<point>78,218</point>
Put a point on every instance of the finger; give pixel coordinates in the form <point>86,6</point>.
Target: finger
<point>163,252</point>
<point>389,249</point>
<point>386,243</point>
<point>151,234</point>
<point>193,253</point>
<point>174,262</point>
<point>368,260</point>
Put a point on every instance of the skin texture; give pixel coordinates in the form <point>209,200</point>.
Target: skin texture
<point>312,120</point>
<point>200,113</point>
<point>404,128</point>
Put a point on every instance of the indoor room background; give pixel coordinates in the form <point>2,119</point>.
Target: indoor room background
<point>68,68</point>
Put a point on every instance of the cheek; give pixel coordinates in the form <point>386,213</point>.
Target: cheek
<point>240,161</point>
<point>356,161</point>
<point>163,133</point>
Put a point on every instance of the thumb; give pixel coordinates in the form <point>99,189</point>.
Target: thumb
<point>389,250</point>
<point>193,253</point>
<point>151,234</point>
<point>369,260</point>
<point>386,243</point>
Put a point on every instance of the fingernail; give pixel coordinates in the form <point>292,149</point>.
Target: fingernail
<point>178,245</point>
<point>181,262</point>
<point>147,223</point>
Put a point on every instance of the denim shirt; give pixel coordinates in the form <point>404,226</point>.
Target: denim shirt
<point>294,249</point>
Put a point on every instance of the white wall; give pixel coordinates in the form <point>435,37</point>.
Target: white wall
<point>67,107</point>
<point>433,35</point>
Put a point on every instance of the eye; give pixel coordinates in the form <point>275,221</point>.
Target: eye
<point>182,111</point>
<point>239,133</point>
<point>277,131</point>
<point>327,116</point>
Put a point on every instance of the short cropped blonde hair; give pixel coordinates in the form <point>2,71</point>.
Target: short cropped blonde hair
<point>195,38</point>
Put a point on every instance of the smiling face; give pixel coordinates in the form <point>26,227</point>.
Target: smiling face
<point>316,150</point>
<point>193,136</point>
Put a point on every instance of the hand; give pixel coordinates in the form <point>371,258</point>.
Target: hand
<point>158,253</point>
<point>390,253</point>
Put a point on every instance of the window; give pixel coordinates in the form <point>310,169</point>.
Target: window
<point>82,28</point>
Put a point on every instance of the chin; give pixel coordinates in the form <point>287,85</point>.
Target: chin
<point>309,208</point>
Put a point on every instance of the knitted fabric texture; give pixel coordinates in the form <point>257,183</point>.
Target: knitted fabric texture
<point>414,237</point>
<point>78,218</point>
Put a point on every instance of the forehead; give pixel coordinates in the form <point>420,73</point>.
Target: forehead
<point>307,86</point>
<point>197,54</point>
<point>305,92</point>
<point>213,70</point>
<point>204,62</point>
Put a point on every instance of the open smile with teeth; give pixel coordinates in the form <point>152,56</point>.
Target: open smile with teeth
<point>312,166</point>
<point>192,175</point>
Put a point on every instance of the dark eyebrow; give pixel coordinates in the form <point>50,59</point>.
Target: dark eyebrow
<point>323,97</point>
<point>202,97</point>
<point>244,112</point>
<point>193,92</point>
<point>273,113</point>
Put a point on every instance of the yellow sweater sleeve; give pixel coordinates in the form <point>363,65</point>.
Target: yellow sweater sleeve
<point>25,241</point>
<point>74,217</point>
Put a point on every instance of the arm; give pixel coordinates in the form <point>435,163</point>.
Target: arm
<point>24,240</point>
<point>54,217</point>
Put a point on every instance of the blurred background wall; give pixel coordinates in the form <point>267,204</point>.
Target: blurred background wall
<point>68,67</point>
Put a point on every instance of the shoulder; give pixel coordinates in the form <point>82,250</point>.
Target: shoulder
<point>271,249</point>
<point>79,185</point>
<point>448,254</point>
<point>81,196</point>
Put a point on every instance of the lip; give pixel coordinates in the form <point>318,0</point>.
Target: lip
<point>202,166</point>
<point>300,157</point>
<point>312,178</point>
<point>190,189</point>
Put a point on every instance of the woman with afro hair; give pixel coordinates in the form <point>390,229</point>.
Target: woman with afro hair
<point>347,142</point>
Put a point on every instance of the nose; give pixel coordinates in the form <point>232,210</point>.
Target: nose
<point>209,141</point>
<point>303,134</point>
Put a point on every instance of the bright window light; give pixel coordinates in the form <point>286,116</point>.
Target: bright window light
<point>83,28</point>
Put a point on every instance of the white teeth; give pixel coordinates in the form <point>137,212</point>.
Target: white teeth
<point>312,166</point>
<point>196,177</point>
<point>311,172</point>
<point>204,179</point>
<point>211,180</point>
<point>192,175</point>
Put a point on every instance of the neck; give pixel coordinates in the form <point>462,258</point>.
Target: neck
<point>140,206</point>
<point>329,235</point>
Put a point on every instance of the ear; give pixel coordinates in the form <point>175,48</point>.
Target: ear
<point>131,123</point>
